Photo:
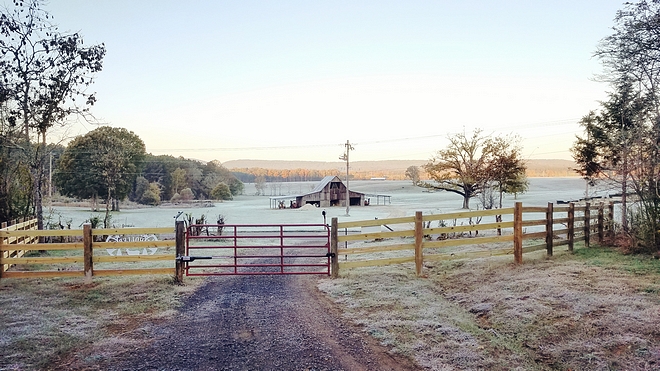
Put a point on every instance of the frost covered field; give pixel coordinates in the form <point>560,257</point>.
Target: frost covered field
<point>406,199</point>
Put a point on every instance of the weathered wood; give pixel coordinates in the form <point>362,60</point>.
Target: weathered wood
<point>601,222</point>
<point>2,253</point>
<point>45,260</point>
<point>532,248</point>
<point>139,271</point>
<point>180,240</point>
<point>334,248</point>
<point>534,209</point>
<point>88,253</point>
<point>468,228</point>
<point>136,244</point>
<point>132,258</point>
<point>468,254</point>
<point>419,240</point>
<point>466,241</point>
<point>376,222</point>
<point>570,234</point>
<point>517,233</point>
<point>549,224</point>
<point>610,221</point>
<point>376,262</point>
<point>468,214</point>
<point>375,236</point>
<point>531,223</point>
<point>43,274</point>
<point>376,249</point>
<point>587,224</point>
<point>132,231</point>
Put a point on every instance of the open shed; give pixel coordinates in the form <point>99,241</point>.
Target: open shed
<point>331,191</point>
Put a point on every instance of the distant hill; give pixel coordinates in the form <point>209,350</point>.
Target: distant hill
<point>535,168</point>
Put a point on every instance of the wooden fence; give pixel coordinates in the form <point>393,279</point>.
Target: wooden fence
<point>127,251</point>
<point>413,239</point>
<point>17,225</point>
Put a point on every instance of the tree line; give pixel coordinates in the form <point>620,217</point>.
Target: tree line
<point>621,141</point>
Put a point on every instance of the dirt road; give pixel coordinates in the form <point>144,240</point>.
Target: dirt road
<point>257,323</point>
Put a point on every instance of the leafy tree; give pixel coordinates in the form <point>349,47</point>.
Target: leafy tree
<point>178,179</point>
<point>152,195</point>
<point>103,162</point>
<point>506,169</point>
<point>412,173</point>
<point>221,192</point>
<point>470,164</point>
<point>187,194</point>
<point>44,72</point>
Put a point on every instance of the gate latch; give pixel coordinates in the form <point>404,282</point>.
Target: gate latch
<point>330,255</point>
<point>191,258</point>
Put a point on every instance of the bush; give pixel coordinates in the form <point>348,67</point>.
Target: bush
<point>221,192</point>
<point>187,194</point>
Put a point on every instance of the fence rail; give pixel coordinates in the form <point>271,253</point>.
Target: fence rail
<point>413,239</point>
<point>84,248</point>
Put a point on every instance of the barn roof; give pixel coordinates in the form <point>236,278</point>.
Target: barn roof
<point>324,182</point>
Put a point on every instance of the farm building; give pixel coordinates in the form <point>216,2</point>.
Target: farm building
<point>331,191</point>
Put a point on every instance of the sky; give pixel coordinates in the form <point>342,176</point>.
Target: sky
<point>296,80</point>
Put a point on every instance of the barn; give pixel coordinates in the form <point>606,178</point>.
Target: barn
<point>331,191</point>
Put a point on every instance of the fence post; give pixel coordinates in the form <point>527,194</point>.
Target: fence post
<point>517,233</point>
<point>334,250</point>
<point>549,223</point>
<point>571,226</point>
<point>601,223</point>
<point>88,253</point>
<point>587,224</point>
<point>419,240</point>
<point>2,253</point>
<point>180,237</point>
<point>610,217</point>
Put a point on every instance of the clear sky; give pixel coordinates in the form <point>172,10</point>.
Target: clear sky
<point>294,80</point>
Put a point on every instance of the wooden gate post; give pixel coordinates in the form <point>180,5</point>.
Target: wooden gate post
<point>517,232</point>
<point>601,222</point>
<point>610,221</point>
<point>549,223</point>
<point>571,226</point>
<point>334,250</point>
<point>587,224</point>
<point>180,237</point>
<point>88,254</point>
<point>419,240</point>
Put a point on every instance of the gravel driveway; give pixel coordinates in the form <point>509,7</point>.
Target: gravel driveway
<point>258,323</point>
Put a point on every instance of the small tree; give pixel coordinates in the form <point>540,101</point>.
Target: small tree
<point>412,173</point>
<point>221,192</point>
<point>187,194</point>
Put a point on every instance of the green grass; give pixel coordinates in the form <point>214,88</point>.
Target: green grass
<point>610,258</point>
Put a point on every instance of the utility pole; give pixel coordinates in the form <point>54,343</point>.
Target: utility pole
<point>344,157</point>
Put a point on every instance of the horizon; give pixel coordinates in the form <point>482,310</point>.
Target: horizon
<point>291,80</point>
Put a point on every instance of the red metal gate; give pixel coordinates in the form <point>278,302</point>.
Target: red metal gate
<point>214,250</point>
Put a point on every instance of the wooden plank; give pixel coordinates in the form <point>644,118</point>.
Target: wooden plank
<point>132,231</point>
<point>376,262</point>
<point>532,248</point>
<point>534,209</point>
<point>129,272</point>
<point>132,258</point>
<point>42,274</point>
<point>469,214</point>
<point>136,244</point>
<point>374,236</point>
<point>376,222</point>
<point>45,246</point>
<point>467,228</point>
<point>468,254</point>
<point>375,249</point>
<point>466,241</point>
<point>44,260</point>
<point>529,236</point>
<point>42,233</point>
<point>556,243</point>
<point>562,209</point>
<point>561,220</point>
<point>531,223</point>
